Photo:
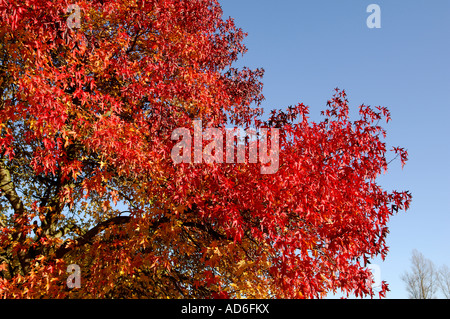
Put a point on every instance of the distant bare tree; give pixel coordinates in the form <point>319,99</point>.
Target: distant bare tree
<point>444,280</point>
<point>422,281</point>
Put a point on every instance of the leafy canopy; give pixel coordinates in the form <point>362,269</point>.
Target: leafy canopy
<point>86,175</point>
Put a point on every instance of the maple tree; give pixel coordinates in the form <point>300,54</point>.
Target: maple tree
<point>86,174</point>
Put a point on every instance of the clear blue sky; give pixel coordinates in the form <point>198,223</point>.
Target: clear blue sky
<point>308,48</point>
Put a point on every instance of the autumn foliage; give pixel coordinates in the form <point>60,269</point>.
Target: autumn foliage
<point>86,175</point>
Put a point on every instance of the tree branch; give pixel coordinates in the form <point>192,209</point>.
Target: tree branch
<point>69,245</point>
<point>8,189</point>
<point>216,235</point>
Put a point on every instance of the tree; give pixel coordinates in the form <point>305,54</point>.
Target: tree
<point>444,280</point>
<point>87,178</point>
<point>425,279</point>
<point>421,282</point>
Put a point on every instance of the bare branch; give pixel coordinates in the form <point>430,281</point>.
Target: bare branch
<point>421,281</point>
